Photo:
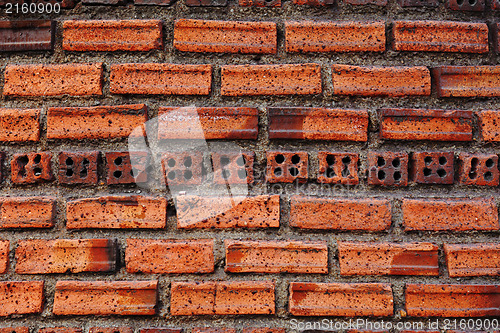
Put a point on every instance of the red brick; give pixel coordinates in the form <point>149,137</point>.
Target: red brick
<point>467,81</point>
<point>288,79</point>
<point>213,330</point>
<point>160,79</point>
<point>128,167</point>
<point>225,36</point>
<point>438,300</point>
<point>21,297</point>
<point>287,167</point>
<point>341,214</point>
<point>473,259</point>
<point>432,167</point>
<point>233,167</point>
<point>340,299</point>
<point>366,2</point>
<point>228,212</point>
<point>388,258</point>
<point>450,214</point>
<point>27,212</point>
<point>60,330</point>
<point>121,329</point>
<point>4,256</point>
<point>20,125</point>
<point>222,298</point>
<point>387,168</point>
<point>105,298</point>
<point>110,35</point>
<point>260,3</point>
<point>381,81</point>
<point>317,124</point>
<point>338,168</point>
<point>99,122</point>
<point>182,168</point>
<point>31,168</point>
<point>276,256</point>
<point>53,80</point>
<point>476,6</point>
<point>489,123</point>
<point>328,36</point>
<point>420,124</point>
<point>26,35</point>
<point>78,168</point>
<point>18,329</point>
<point>117,212</point>
<point>42,256</point>
<point>169,256</point>
<point>208,123</point>
<point>478,169</point>
<point>440,36</point>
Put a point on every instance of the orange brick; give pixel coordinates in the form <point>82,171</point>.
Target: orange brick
<point>438,300</point>
<point>388,258</point>
<point>225,36</point>
<point>440,36</point>
<point>467,81</point>
<point>473,259</point>
<point>21,297</point>
<point>119,35</point>
<point>99,122</point>
<point>27,212</point>
<point>160,79</point>
<point>299,79</point>
<point>351,36</point>
<point>53,80</point>
<point>213,330</point>
<point>4,256</point>
<point>60,330</point>
<point>341,214</point>
<point>222,298</point>
<point>381,81</point>
<point>261,211</point>
<point>450,214</point>
<point>18,329</point>
<point>42,256</point>
<point>341,299</point>
<point>117,212</point>
<point>170,256</point>
<point>489,123</point>
<point>119,329</point>
<point>276,256</point>
<point>105,298</point>
<point>20,125</point>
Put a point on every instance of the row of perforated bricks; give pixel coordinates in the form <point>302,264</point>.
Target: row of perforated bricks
<point>237,80</point>
<point>263,211</point>
<point>187,256</point>
<point>250,298</point>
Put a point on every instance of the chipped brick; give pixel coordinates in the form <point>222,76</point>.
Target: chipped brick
<point>20,125</point>
<point>478,169</point>
<point>338,168</point>
<point>387,168</point>
<point>31,168</point>
<point>233,167</point>
<point>127,167</point>
<point>287,167</point>
<point>27,212</point>
<point>473,259</point>
<point>26,35</point>
<point>432,167</point>
<point>467,81</point>
<point>21,297</point>
<point>78,168</point>
<point>182,168</point>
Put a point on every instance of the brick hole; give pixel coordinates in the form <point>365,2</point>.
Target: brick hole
<point>460,2</point>
<point>473,168</point>
<point>443,160</point>
<point>397,176</point>
<point>279,158</point>
<point>224,160</point>
<point>240,161</point>
<point>117,174</point>
<point>37,159</point>
<point>381,174</point>
<point>490,163</point>
<point>472,2</point>
<point>330,173</point>
<point>171,162</point>
<point>345,169</point>
<point>330,159</point>
<point>278,172</point>
<point>294,172</point>
<point>380,161</point>
<point>427,172</point>
<point>171,175</point>
<point>488,176</point>
<point>37,171</point>
<point>22,162</point>
<point>428,160</point>
<point>396,162</point>
<point>69,161</point>
<point>118,161</point>
<point>188,174</point>
<point>188,162</point>
<point>242,174</point>
<point>226,174</point>
<point>441,173</point>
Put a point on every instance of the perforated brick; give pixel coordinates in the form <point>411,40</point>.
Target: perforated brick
<point>466,5</point>
<point>78,168</point>
<point>338,168</point>
<point>432,167</point>
<point>388,168</point>
<point>127,168</point>
<point>287,167</point>
<point>478,169</point>
<point>31,168</point>
<point>185,168</point>
<point>233,167</point>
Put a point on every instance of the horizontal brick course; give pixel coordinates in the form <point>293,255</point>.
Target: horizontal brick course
<point>26,35</point>
<point>489,124</point>
<point>472,259</point>
<point>21,297</point>
<point>19,125</point>
<point>467,81</point>
<point>27,212</point>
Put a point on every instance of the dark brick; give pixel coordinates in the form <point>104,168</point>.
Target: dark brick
<point>367,2</point>
<point>31,168</point>
<point>418,3</point>
<point>478,169</point>
<point>287,167</point>
<point>185,168</point>
<point>432,167</point>
<point>206,3</point>
<point>126,168</point>
<point>388,168</point>
<point>466,5</point>
<point>78,168</point>
<point>26,35</point>
<point>338,168</point>
<point>260,3</point>
<point>233,167</point>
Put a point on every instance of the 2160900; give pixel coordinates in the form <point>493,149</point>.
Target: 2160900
<point>32,8</point>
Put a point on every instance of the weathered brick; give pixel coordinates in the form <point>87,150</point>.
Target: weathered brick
<point>287,167</point>
<point>78,168</point>
<point>21,297</point>
<point>366,2</point>
<point>31,168</point>
<point>288,79</point>
<point>169,256</point>
<point>160,79</point>
<point>27,212</point>
<point>420,124</point>
<point>338,168</point>
<point>208,123</point>
<point>128,167</point>
<point>112,35</point>
<point>161,330</point>
<point>317,124</point>
<point>99,122</point>
<point>432,167</point>
<point>117,212</point>
<point>450,214</point>
<point>276,256</point>
<point>489,123</point>
<point>18,329</point>
<point>388,258</point>
<point>105,298</point>
<point>387,168</point>
<point>381,81</point>
<point>317,3</point>
<point>340,214</point>
<point>260,3</point>
<point>60,330</point>
<point>20,125</point>
<point>351,36</point>
<point>440,36</point>
<point>225,36</point>
<point>261,211</point>
<point>121,329</point>
<point>478,169</point>
<point>340,299</point>
<point>4,256</point>
<point>473,259</point>
<point>466,5</point>
<point>26,35</point>
<point>467,81</point>
<point>418,3</point>
<point>46,256</point>
<point>233,167</point>
<point>206,3</point>
<point>53,80</point>
<point>182,168</point>
<point>213,330</point>
<point>441,300</point>
<point>222,298</point>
